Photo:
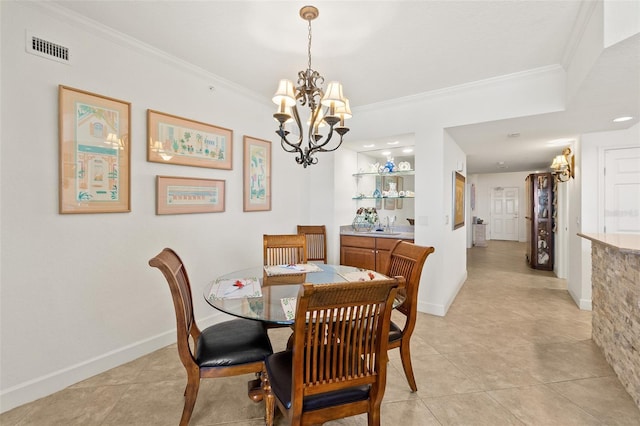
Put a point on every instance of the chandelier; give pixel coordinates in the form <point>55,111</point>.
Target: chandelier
<point>326,108</point>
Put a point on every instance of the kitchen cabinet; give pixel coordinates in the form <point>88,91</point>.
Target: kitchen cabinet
<point>539,220</point>
<point>366,252</point>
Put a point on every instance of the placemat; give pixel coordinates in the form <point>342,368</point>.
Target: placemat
<point>235,288</point>
<point>298,268</point>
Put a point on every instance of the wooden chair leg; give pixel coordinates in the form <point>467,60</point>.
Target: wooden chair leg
<point>190,395</point>
<point>270,400</point>
<point>405,355</point>
<point>373,417</point>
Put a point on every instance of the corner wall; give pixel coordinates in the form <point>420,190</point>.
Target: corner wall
<point>79,286</point>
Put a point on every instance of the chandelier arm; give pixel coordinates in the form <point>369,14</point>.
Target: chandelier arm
<point>321,147</point>
<point>296,146</point>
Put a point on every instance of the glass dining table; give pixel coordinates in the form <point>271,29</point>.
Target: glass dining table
<point>268,294</point>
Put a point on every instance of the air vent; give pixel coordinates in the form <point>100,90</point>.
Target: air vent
<point>47,49</point>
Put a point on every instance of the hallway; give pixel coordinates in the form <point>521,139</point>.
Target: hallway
<point>513,350</point>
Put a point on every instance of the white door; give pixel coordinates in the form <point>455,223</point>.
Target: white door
<point>504,213</point>
<point>622,190</point>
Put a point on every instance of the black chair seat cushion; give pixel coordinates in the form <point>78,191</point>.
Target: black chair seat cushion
<point>279,371</point>
<point>395,332</point>
<point>234,342</point>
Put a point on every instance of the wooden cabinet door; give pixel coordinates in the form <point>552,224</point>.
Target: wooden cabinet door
<point>382,261</point>
<point>358,257</point>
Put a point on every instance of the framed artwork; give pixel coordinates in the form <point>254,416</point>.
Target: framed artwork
<point>180,195</point>
<point>458,200</point>
<point>177,140</point>
<point>95,156</point>
<point>257,174</point>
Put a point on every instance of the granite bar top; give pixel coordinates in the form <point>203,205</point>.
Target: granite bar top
<point>400,232</point>
<point>627,243</point>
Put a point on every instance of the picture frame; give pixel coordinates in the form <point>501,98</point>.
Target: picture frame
<point>184,195</point>
<point>256,174</point>
<point>458,200</point>
<point>95,154</point>
<point>186,142</point>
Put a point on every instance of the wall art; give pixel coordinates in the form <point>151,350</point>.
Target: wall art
<point>177,140</point>
<point>257,174</point>
<point>95,155</point>
<point>181,195</point>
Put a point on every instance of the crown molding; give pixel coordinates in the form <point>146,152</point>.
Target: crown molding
<point>580,25</point>
<point>108,33</point>
<point>461,88</point>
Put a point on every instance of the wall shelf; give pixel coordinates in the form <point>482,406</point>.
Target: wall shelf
<point>398,173</point>
<point>381,198</point>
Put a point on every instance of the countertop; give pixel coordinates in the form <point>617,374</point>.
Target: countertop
<point>399,233</point>
<point>628,243</point>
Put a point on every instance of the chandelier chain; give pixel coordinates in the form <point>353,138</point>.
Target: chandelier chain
<point>309,46</point>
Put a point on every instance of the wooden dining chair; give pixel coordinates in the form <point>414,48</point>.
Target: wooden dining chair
<point>337,366</point>
<point>316,241</point>
<point>226,349</point>
<point>284,249</point>
<point>407,259</point>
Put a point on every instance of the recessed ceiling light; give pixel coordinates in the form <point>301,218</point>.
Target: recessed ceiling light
<point>621,119</point>
<point>386,153</point>
<point>407,150</point>
<point>513,134</point>
<point>371,145</point>
<point>393,143</point>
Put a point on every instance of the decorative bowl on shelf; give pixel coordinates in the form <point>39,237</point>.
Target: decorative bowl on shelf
<point>404,165</point>
<point>361,224</point>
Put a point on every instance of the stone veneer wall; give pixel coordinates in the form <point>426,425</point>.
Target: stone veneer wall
<point>616,312</point>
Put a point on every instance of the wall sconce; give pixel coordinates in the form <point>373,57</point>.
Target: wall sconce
<point>563,166</point>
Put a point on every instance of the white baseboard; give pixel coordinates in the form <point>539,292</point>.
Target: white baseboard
<point>56,381</point>
<point>583,304</point>
<point>441,310</point>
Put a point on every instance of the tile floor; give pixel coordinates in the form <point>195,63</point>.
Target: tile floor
<point>513,350</point>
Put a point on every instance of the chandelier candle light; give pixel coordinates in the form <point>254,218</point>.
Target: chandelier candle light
<point>309,93</point>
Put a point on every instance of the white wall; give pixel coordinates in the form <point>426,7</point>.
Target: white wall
<point>436,156</point>
<point>588,216</point>
<point>77,294</point>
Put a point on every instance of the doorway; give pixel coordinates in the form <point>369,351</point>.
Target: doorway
<point>504,213</point>
<point>622,190</point>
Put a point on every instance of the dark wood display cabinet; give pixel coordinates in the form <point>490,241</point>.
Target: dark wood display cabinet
<point>539,220</point>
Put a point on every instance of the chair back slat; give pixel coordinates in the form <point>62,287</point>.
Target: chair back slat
<point>316,241</point>
<point>343,342</point>
<point>284,249</point>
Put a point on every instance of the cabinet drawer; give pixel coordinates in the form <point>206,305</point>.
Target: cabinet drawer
<point>364,242</point>
<point>385,243</point>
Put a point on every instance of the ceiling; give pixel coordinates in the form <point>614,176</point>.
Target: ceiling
<point>402,48</point>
